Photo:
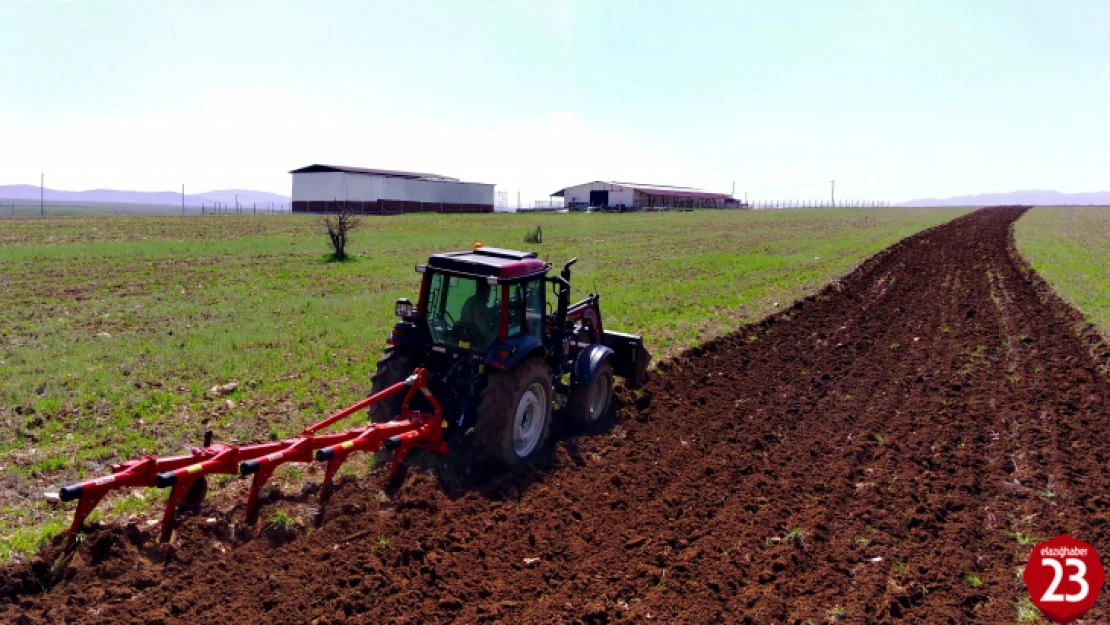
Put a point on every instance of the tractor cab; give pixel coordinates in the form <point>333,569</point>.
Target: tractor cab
<point>472,300</point>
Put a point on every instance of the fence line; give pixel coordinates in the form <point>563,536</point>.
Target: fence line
<point>826,203</point>
<point>23,208</point>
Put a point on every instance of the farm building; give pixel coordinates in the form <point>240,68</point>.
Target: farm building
<point>630,196</point>
<point>323,188</point>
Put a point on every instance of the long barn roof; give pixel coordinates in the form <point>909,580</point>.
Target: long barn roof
<point>656,189</point>
<point>387,173</point>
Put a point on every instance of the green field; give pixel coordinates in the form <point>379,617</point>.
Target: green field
<point>1070,248</point>
<point>112,328</point>
<point>65,208</point>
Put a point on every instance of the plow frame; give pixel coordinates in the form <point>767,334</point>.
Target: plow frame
<point>181,473</point>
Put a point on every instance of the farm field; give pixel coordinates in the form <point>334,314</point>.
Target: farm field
<point>74,208</point>
<point>112,328</point>
<point>888,449</point>
<point>1070,248</point>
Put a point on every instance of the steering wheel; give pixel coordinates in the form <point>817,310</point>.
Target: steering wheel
<point>449,317</point>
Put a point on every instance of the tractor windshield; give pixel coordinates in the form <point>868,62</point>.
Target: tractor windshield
<point>463,312</point>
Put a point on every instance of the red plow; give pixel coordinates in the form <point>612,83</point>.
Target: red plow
<point>184,474</point>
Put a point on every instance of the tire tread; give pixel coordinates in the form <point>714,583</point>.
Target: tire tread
<point>394,367</point>
<point>497,409</point>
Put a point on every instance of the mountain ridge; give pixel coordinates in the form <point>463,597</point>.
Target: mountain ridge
<point>1035,197</point>
<point>247,197</point>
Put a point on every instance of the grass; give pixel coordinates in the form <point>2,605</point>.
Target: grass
<point>1022,539</point>
<point>795,534</point>
<point>381,543</point>
<point>1070,248</point>
<point>282,520</point>
<point>113,328</point>
<point>28,539</point>
<point>973,580</point>
<point>132,504</point>
<point>1026,611</point>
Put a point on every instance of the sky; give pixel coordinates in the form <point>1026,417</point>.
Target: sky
<point>894,100</point>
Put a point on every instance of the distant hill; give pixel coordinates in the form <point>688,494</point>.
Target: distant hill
<point>1036,198</point>
<point>168,198</point>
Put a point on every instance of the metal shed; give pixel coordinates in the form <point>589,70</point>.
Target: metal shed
<point>324,188</point>
<point>631,196</point>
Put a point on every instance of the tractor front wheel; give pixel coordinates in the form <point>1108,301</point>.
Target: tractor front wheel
<point>514,415</point>
<point>393,368</point>
<point>588,405</point>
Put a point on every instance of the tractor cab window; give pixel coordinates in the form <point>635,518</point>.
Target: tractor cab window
<point>463,312</point>
<point>526,310</point>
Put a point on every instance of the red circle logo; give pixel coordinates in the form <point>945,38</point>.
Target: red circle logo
<point>1064,577</point>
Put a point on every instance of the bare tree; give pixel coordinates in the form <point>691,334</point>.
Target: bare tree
<point>339,225</point>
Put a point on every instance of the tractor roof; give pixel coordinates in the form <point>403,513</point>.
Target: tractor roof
<point>490,262</point>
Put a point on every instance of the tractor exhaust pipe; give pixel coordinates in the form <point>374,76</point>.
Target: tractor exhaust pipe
<point>565,273</point>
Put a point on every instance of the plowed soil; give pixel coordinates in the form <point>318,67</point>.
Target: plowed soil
<point>858,458</point>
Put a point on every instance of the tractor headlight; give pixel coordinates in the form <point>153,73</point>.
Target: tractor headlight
<point>405,308</point>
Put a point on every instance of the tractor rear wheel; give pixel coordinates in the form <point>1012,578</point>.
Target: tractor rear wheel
<point>393,368</point>
<point>514,415</point>
<point>588,405</point>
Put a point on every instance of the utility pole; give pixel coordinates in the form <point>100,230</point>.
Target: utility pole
<point>518,200</point>
<point>42,181</point>
<point>182,199</point>
<point>832,192</point>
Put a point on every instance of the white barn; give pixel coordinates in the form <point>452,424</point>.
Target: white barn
<point>621,196</point>
<point>323,188</point>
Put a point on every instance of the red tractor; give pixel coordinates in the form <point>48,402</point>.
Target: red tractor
<point>498,353</point>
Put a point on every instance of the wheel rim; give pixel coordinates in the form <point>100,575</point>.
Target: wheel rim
<point>529,421</point>
<point>599,392</point>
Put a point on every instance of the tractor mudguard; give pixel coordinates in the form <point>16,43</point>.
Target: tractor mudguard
<point>585,368</point>
<point>631,359</point>
<point>507,354</point>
